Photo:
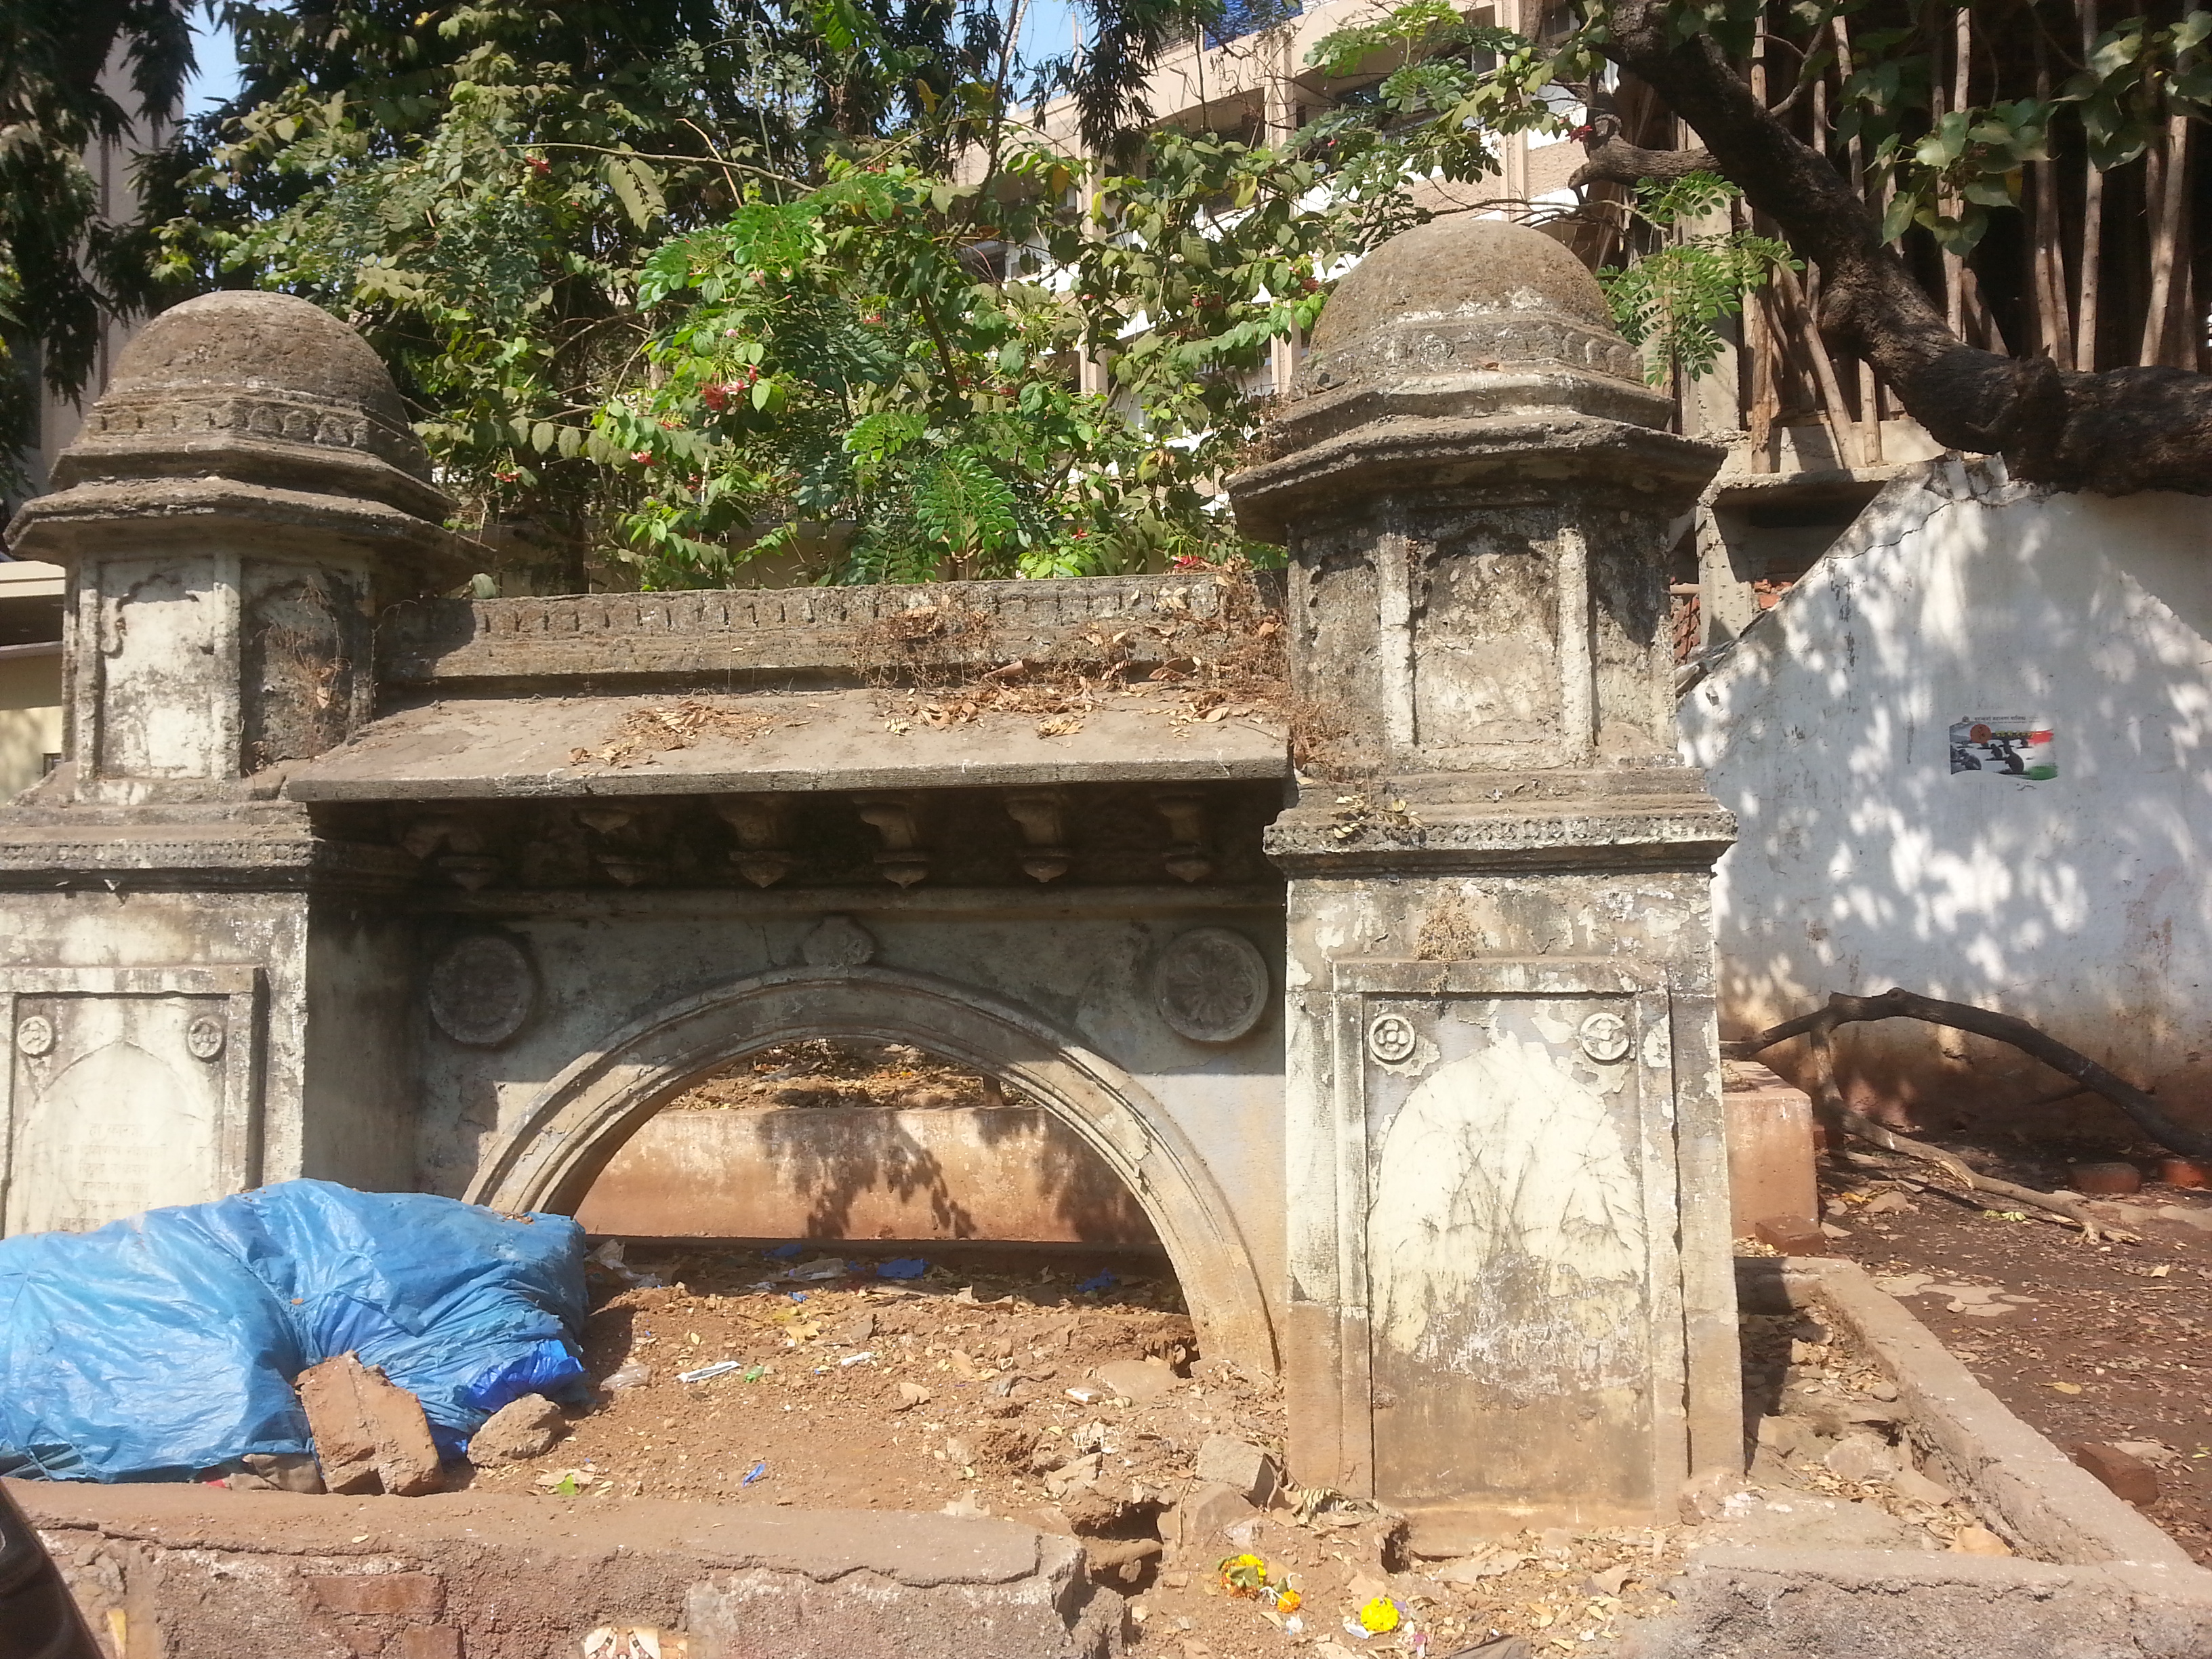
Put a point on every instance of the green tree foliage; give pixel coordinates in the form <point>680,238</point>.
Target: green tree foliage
<point>1672,297</point>
<point>477,188</point>
<point>683,285</point>
<point>57,259</point>
<point>891,361</point>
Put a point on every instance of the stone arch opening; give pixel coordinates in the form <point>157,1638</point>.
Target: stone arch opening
<point>581,1119</point>
<point>868,1146</point>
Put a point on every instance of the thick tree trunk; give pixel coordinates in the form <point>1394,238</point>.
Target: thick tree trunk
<point>2115,432</point>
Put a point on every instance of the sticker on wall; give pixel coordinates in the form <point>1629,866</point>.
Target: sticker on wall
<point>2010,746</point>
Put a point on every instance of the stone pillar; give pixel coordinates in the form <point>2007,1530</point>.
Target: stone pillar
<point>198,991</point>
<point>1510,1293</point>
<point>238,503</point>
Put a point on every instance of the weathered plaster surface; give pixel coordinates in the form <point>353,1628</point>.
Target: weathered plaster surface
<point>1864,862</point>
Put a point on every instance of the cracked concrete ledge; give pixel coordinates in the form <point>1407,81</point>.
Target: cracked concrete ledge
<point>211,1573</point>
<point>2112,1586</point>
<point>2029,1490</point>
<point>1882,1604</point>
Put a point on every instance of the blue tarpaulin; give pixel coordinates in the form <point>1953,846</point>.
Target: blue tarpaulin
<point>165,1344</point>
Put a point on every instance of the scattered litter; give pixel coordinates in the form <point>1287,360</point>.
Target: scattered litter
<point>1083,1396</point>
<point>859,1358</point>
<point>784,1252</point>
<point>610,1256</point>
<point>759,1470</point>
<point>1096,1282</point>
<point>633,1642</point>
<point>905,1266</point>
<point>796,1296</point>
<point>720,1368</point>
<point>828,1267</point>
<point>635,1375</point>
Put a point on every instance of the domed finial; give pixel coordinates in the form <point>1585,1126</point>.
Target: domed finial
<point>1462,349</point>
<point>1483,313</point>
<point>261,387</point>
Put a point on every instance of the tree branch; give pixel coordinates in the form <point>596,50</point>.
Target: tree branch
<point>1616,161</point>
<point>2148,1114</point>
<point>2115,432</point>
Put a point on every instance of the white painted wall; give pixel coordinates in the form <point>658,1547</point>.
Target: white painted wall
<point>30,713</point>
<point>2082,903</point>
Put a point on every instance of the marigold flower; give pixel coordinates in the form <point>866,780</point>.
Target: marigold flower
<point>1243,1575</point>
<point>1379,1615</point>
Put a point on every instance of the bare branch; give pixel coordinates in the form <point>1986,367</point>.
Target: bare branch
<point>1896,1004</point>
<point>1617,161</point>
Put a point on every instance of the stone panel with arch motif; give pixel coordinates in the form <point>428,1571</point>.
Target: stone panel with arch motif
<point>128,1089</point>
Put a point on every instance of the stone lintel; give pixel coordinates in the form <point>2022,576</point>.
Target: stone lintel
<point>1603,458</point>
<point>830,741</point>
<point>58,856</point>
<point>1310,842</point>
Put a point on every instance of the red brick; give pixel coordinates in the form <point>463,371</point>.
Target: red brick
<point>382,1595</point>
<point>435,1641</point>
<point>1792,1234</point>
<point>2128,1476</point>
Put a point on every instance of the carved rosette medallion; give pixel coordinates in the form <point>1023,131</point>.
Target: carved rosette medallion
<point>1392,1039</point>
<point>1604,1036</point>
<point>1211,985</point>
<point>34,1035</point>
<point>204,1038</point>
<point>483,990</point>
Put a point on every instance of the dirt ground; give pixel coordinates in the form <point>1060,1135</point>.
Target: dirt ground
<point>2086,1341</point>
<point>821,1072</point>
<point>997,1384</point>
<point>1062,1388</point>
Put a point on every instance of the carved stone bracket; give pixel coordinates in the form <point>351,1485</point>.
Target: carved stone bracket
<point>762,826</point>
<point>454,846</point>
<point>625,857</point>
<point>1186,858</point>
<point>1041,815</point>
<point>897,819</point>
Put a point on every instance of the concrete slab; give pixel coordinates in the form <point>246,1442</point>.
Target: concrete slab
<point>493,748</point>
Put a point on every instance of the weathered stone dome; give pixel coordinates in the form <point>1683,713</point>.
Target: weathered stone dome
<point>252,377</point>
<point>1463,295</point>
<point>1459,265</point>
<point>1461,350</point>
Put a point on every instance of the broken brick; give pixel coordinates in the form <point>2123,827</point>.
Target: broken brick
<point>370,1434</point>
<point>1791,1235</point>
<point>2128,1477</point>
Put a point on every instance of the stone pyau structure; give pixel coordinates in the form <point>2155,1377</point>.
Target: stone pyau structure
<point>1509,1254</point>
<point>1416,1079</point>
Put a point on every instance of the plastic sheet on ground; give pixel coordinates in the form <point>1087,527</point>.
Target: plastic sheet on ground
<point>166,1344</point>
